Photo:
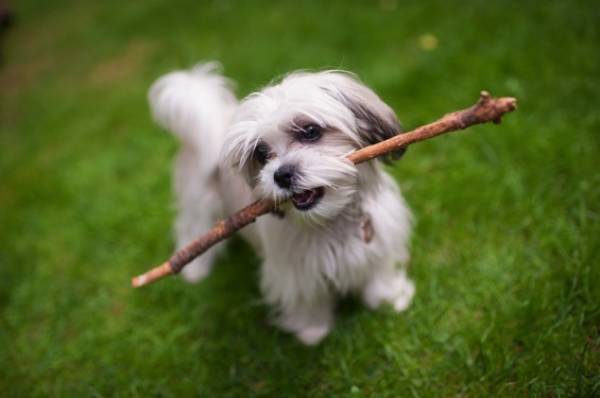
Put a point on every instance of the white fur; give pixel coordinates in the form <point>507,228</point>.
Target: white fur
<point>310,257</point>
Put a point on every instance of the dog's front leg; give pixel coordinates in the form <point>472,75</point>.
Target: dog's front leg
<point>301,303</point>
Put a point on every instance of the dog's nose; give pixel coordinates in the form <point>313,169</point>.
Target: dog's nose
<point>284,175</point>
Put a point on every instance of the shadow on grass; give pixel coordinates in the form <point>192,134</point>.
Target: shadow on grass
<point>230,341</point>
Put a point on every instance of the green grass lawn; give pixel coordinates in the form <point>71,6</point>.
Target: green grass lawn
<point>505,251</point>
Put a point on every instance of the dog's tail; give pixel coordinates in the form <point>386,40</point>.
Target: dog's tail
<point>196,105</point>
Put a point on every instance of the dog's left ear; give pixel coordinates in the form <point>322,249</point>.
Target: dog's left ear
<point>375,120</point>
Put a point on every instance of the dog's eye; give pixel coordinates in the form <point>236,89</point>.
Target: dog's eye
<point>262,153</point>
<point>310,133</point>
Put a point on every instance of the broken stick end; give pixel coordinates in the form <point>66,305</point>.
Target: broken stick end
<point>154,274</point>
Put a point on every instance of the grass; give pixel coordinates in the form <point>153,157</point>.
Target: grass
<point>505,252</point>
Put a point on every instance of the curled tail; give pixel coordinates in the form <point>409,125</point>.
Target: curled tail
<point>196,105</point>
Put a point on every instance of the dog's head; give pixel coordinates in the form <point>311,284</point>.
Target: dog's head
<point>290,139</point>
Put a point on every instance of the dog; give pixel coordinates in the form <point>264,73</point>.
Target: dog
<point>338,229</point>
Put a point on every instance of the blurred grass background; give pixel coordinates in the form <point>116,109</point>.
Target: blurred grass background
<point>505,252</point>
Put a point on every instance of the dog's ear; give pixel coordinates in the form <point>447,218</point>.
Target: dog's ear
<point>375,120</point>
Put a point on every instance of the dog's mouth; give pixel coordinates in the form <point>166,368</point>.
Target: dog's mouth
<point>307,199</point>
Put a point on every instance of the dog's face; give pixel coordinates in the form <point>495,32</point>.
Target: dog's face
<point>290,140</point>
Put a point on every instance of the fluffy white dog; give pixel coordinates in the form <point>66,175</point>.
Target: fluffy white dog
<point>344,228</point>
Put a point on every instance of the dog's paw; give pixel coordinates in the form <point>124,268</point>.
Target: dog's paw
<point>313,335</point>
<point>397,291</point>
<point>404,296</point>
<point>309,326</point>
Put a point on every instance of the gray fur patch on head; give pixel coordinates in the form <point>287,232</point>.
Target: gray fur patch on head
<point>375,128</point>
<point>375,120</point>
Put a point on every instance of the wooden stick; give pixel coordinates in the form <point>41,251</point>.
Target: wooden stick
<point>220,231</point>
<point>485,110</point>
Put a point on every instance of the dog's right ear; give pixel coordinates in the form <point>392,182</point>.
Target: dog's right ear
<point>375,120</point>
<point>241,146</point>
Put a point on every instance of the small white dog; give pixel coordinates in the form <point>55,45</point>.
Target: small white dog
<point>344,228</point>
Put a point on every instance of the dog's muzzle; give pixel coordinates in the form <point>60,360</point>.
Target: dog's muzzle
<point>303,200</point>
